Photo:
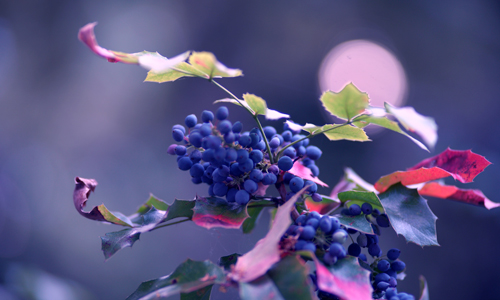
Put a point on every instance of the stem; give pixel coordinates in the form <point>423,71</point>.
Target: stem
<point>255,117</point>
<point>173,223</point>
<point>310,135</point>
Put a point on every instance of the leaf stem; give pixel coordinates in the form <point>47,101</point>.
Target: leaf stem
<point>173,223</point>
<point>271,156</point>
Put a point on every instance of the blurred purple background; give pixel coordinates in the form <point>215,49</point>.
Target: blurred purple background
<point>65,112</point>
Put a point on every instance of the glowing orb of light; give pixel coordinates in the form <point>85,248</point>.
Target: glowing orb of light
<point>371,67</point>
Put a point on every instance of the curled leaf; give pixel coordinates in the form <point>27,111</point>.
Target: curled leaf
<point>83,188</point>
<point>87,36</point>
<point>474,197</point>
<point>217,212</point>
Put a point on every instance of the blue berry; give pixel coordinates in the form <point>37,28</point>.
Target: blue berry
<point>184,163</point>
<point>178,135</point>
<point>256,175</point>
<point>242,197</point>
<point>287,135</point>
<point>222,113</point>
<point>325,224</point>
<point>382,286</point>
<point>231,155</point>
<point>316,197</point>
<point>245,140</point>
<point>207,116</point>
<point>362,240</point>
<point>313,222</point>
<point>180,150</point>
<point>190,121</point>
<point>366,208</point>
<point>314,170</point>
<point>230,196</point>
<point>337,250</point>
<point>171,149</point>
<point>313,152</point>
<point>195,139</point>
<point>393,253</point>
<point>250,186</point>
<point>308,232</point>
<point>374,250</point>
<point>296,184</point>
<point>246,166</point>
<point>180,127</point>
<point>383,221</point>
<point>398,266</point>
<point>290,152</point>
<point>339,236</point>
<point>309,247</point>
<point>354,210</point>
<point>256,156</point>
<point>285,163</point>
<point>269,178</point>
<point>197,170</point>
<point>383,265</point>
<point>224,126</point>
<point>301,220</point>
<point>220,189</point>
<point>269,131</point>
<point>274,143</point>
<point>354,250</point>
<point>237,127</point>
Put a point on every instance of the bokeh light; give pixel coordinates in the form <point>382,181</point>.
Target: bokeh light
<point>371,67</point>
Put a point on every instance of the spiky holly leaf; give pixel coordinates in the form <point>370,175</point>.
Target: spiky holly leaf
<point>346,104</point>
<point>180,209</point>
<point>254,211</point>
<point>410,215</point>
<point>359,197</point>
<point>199,294</point>
<point>424,126</point>
<point>262,288</point>
<point>346,279</point>
<point>216,212</point>
<point>152,202</point>
<point>83,188</point>
<point>291,277</point>
<point>424,290</point>
<point>115,241</point>
<point>463,166</point>
<point>188,277</point>
<point>326,205</point>
<point>305,173</point>
<point>358,222</point>
<point>208,64</point>
<point>364,120</point>
<point>257,261</point>
<point>474,197</point>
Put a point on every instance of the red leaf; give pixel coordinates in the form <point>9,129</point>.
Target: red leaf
<point>461,165</point>
<point>323,207</point>
<point>303,172</point>
<point>474,197</point>
<point>216,212</point>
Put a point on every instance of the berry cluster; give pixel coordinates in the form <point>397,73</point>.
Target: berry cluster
<point>325,236</point>
<point>236,164</point>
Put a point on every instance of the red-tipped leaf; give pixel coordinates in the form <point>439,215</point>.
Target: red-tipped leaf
<point>469,196</point>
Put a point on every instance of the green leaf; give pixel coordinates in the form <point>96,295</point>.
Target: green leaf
<point>358,222</point>
<point>256,103</point>
<point>410,215</point>
<point>291,277</point>
<point>181,70</point>
<point>216,212</point>
<point>360,197</point>
<point>152,202</point>
<point>200,294</point>
<point>365,120</point>
<point>424,290</point>
<point>228,261</point>
<point>112,242</point>
<point>253,213</point>
<point>115,241</point>
<point>262,288</point>
<point>424,126</point>
<point>346,104</point>
<point>208,64</point>
<point>335,132</point>
<point>257,261</point>
<point>188,277</point>
<point>180,209</point>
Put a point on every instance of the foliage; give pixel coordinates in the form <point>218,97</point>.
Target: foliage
<point>307,226</point>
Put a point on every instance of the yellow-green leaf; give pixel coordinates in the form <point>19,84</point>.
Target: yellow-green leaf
<point>346,104</point>
<point>256,103</point>
<point>207,63</point>
<point>335,132</point>
<point>182,70</point>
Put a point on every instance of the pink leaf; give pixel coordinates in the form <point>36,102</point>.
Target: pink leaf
<point>217,212</point>
<point>87,36</point>
<point>303,172</point>
<point>266,253</point>
<point>463,166</point>
<point>474,197</point>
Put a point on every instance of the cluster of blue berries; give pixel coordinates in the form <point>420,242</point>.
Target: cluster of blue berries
<point>236,164</point>
<point>325,236</point>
